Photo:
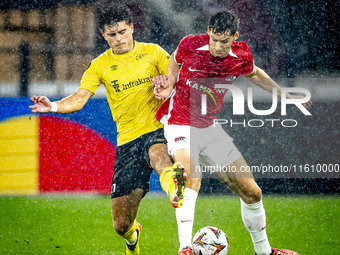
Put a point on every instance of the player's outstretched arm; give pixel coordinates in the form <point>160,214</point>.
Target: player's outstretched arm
<point>262,80</point>
<point>69,104</point>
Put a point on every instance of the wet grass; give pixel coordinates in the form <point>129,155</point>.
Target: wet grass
<point>83,225</point>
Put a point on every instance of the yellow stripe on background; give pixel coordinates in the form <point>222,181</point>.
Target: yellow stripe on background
<point>15,164</point>
<point>23,127</point>
<point>17,147</point>
<point>19,183</point>
<point>19,156</point>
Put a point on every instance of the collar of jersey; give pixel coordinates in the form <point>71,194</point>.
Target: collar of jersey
<point>232,54</point>
<point>206,48</point>
<point>128,54</point>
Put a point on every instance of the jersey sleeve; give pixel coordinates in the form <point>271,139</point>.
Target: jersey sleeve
<point>91,79</point>
<point>182,50</point>
<point>249,61</point>
<point>162,59</point>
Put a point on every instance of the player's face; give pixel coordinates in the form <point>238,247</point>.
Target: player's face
<point>220,43</point>
<point>119,37</point>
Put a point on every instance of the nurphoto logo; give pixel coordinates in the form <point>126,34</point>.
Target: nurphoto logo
<point>239,102</point>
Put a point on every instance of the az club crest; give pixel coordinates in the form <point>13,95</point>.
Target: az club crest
<point>180,139</point>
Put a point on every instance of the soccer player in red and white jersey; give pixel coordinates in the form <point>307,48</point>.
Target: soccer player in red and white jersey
<point>199,62</point>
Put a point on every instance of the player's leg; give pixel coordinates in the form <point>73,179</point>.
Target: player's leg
<point>221,152</point>
<point>252,210</point>
<point>185,214</point>
<point>178,138</point>
<point>172,177</point>
<point>159,157</point>
<point>130,183</point>
<point>253,214</point>
<point>241,182</point>
<point>161,162</point>
<point>124,211</point>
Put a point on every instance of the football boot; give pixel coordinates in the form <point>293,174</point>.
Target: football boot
<point>134,249</point>
<point>177,184</point>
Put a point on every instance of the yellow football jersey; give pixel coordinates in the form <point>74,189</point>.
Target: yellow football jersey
<point>127,80</point>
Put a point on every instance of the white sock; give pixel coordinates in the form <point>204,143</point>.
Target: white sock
<point>185,217</point>
<point>254,219</point>
<point>134,240</point>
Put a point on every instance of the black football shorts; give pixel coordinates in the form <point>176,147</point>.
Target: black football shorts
<point>132,167</point>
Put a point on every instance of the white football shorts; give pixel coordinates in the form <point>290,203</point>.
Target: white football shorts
<point>209,146</point>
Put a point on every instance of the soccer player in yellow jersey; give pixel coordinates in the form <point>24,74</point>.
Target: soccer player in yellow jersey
<point>126,70</point>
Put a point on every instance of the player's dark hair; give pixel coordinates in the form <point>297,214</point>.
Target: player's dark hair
<point>224,22</point>
<point>111,14</point>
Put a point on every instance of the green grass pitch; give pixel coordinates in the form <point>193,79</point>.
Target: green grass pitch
<point>83,224</point>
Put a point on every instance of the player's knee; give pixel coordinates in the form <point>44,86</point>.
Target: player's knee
<point>157,150</point>
<point>257,195</point>
<point>159,157</point>
<point>194,183</point>
<point>254,196</point>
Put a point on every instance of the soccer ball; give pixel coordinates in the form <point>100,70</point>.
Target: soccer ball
<point>210,241</point>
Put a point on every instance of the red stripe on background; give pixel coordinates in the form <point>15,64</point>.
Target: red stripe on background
<point>73,157</point>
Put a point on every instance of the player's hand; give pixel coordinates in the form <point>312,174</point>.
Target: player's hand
<point>41,104</point>
<point>307,104</point>
<point>161,87</point>
<point>159,81</point>
<point>162,94</point>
